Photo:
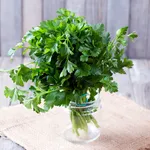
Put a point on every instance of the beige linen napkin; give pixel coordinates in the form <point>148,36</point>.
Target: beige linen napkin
<point>124,126</point>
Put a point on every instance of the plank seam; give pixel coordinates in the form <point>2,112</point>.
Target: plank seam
<point>22,26</point>
<point>42,8</point>
<point>129,18</point>
<point>106,11</point>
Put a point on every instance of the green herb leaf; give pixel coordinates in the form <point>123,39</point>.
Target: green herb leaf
<point>133,35</point>
<point>122,31</point>
<point>63,73</point>
<point>15,94</point>
<point>70,66</point>
<point>83,70</point>
<point>56,98</point>
<point>83,58</point>
<point>109,85</point>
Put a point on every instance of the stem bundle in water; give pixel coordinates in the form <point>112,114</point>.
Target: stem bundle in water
<point>80,120</point>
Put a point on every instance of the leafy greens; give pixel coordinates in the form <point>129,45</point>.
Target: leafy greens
<point>69,57</point>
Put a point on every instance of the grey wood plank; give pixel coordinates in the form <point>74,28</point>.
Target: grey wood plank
<point>11,25</point>
<point>5,63</point>
<point>117,15</point>
<point>139,22</point>
<point>125,87</point>
<point>140,78</point>
<point>148,49</point>
<point>7,144</point>
<point>50,7</point>
<point>32,14</point>
<point>96,11</point>
<point>77,6</point>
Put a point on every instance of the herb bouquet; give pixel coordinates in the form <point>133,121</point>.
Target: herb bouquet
<point>71,62</point>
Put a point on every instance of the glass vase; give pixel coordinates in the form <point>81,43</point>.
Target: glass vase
<point>84,126</point>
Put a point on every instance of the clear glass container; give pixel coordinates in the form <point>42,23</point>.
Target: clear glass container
<point>85,125</point>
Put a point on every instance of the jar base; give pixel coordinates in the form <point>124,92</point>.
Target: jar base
<point>84,138</point>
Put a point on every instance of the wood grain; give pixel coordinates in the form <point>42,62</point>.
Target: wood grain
<point>139,22</point>
<point>5,63</point>
<point>95,11</point>
<point>125,86</point>
<point>18,16</point>
<point>32,14</point>
<point>11,25</point>
<point>140,78</point>
<point>77,6</point>
<point>117,15</point>
<point>50,7</point>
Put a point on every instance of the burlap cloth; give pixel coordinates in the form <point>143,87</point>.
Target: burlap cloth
<point>124,126</point>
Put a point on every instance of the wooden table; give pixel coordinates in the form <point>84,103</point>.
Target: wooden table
<point>124,126</point>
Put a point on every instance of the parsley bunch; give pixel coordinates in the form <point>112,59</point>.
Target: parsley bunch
<point>69,57</point>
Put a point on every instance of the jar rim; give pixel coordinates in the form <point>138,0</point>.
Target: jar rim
<point>85,105</point>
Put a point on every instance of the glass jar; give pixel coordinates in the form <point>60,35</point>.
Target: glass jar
<point>84,126</point>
